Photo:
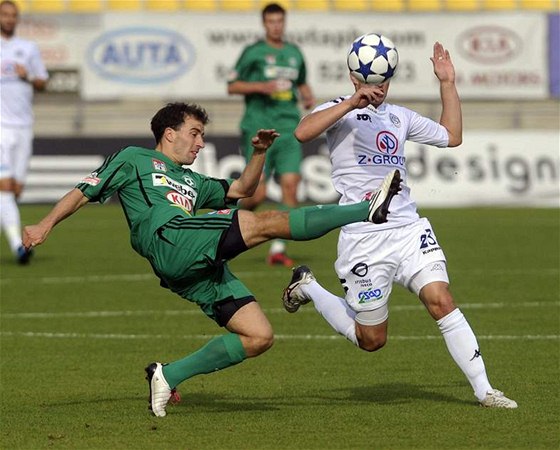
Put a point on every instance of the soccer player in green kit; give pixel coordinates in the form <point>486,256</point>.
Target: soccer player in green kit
<point>271,74</point>
<point>160,198</point>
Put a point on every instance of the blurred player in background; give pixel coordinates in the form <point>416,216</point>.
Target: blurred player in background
<point>405,250</point>
<point>188,252</point>
<point>22,72</point>
<point>271,74</point>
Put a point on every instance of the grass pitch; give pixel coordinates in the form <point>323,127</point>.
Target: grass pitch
<point>79,324</point>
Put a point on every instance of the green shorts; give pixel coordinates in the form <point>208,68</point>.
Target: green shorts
<point>284,156</point>
<point>185,254</point>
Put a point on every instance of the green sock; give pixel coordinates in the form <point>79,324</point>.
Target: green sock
<point>311,222</point>
<point>219,353</point>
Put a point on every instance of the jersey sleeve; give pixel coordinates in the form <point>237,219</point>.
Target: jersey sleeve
<point>302,75</point>
<point>243,67</point>
<point>426,131</point>
<point>103,182</point>
<point>37,67</point>
<point>214,192</point>
<point>327,105</point>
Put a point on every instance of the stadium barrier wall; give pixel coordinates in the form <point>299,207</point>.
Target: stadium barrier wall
<point>497,168</point>
<point>115,55</point>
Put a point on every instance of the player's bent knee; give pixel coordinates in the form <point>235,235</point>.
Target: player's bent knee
<point>372,345</point>
<point>259,344</point>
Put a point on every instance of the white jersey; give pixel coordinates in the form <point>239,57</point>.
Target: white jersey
<point>366,144</point>
<point>16,94</point>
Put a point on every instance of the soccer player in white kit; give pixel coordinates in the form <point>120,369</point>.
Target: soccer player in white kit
<point>366,136</point>
<point>22,72</point>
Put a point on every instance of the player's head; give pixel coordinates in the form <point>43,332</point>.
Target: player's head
<point>173,115</point>
<point>383,89</point>
<point>9,16</point>
<point>273,17</point>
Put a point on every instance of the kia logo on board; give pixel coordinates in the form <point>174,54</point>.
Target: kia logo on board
<point>141,55</point>
<point>489,44</point>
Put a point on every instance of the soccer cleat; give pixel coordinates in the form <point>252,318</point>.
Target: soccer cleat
<point>279,259</point>
<point>497,399</point>
<point>23,255</point>
<point>380,199</point>
<point>293,297</point>
<point>160,392</point>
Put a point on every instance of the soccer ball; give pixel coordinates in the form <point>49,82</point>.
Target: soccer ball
<point>372,58</point>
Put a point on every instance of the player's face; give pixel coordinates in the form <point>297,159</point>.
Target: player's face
<point>380,90</point>
<point>187,141</point>
<point>8,19</point>
<point>274,26</point>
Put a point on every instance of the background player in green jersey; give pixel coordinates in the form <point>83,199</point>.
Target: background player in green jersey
<point>271,74</point>
<point>189,252</point>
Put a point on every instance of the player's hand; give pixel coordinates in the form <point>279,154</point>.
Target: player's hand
<point>21,71</point>
<point>366,94</point>
<point>308,102</point>
<point>264,139</point>
<point>269,87</point>
<point>34,235</point>
<point>443,66</point>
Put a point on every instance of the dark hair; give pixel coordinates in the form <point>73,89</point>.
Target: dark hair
<point>11,3</point>
<point>173,115</point>
<point>272,8</point>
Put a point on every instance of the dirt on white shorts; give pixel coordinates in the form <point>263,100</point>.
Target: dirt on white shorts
<point>15,151</point>
<point>369,263</point>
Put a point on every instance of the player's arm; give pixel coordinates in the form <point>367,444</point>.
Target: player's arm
<point>252,87</point>
<point>451,116</point>
<point>37,234</point>
<point>319,121</point>
<point>306,95</point>
<point>38,84</point>
<point>247,183</point>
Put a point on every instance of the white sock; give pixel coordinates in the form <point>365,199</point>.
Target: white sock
<point>277,246</point>
<point>10,219</point>
<point>463,346</point>
<point>333,309</point>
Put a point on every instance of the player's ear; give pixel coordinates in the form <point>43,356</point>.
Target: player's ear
<point>169,134</point>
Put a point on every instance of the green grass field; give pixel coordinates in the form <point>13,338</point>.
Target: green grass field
<point>79,324</point>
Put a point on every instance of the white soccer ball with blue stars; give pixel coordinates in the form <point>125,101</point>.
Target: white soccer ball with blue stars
<point>373,58</point>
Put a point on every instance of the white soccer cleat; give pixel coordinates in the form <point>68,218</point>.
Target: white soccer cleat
<point>160,392</point>
<point>497,399</point>
<point>380,199</point>
<point>293,297</point>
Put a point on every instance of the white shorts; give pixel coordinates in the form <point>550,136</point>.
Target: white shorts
<point>369,263</point>
<point>15,151</point>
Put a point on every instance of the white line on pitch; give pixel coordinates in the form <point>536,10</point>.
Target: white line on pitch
<point>47,335</point>
<point>242,274</point>
<point>195,311</point>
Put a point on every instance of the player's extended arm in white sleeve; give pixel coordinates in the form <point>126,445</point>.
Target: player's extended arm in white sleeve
<point>37,234</point>
<point>451,116</point>
<point>317,122</point>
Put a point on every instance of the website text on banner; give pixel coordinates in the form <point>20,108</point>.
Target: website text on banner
<point>498,56</point>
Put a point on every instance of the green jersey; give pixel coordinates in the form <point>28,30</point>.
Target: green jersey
<point>261,62</point>
<point>152,190</point>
